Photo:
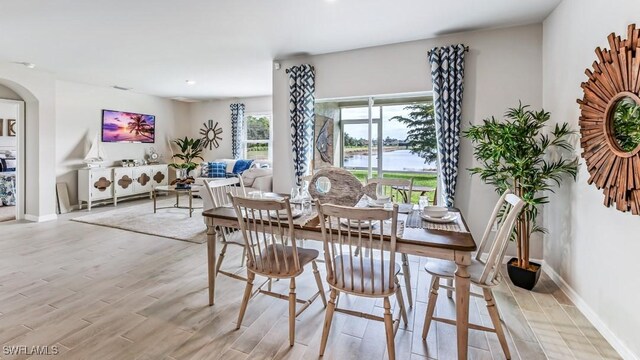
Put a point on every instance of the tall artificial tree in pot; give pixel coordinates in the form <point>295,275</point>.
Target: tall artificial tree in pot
<point>514,154</point>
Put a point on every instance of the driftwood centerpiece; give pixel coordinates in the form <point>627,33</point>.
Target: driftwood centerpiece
<point>345,188</point>
<point>610,122</point>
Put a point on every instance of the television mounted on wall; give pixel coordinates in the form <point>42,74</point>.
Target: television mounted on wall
<point>128,127</point>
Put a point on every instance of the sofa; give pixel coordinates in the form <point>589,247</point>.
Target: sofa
<point>258,177</point>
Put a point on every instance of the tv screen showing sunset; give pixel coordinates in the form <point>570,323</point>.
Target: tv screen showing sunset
<point>119,126</point>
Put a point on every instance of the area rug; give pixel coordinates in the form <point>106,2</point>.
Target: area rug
<point>170,223</point>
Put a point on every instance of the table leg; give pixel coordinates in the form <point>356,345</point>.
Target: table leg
<point>211,258</point>
<point>462,284</point>
<point>177,199</point>
<point>190,203</point>
<point>154,196</point>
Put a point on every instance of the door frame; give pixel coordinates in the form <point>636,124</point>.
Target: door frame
<point>20,144</point>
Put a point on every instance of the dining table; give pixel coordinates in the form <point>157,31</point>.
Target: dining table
<point>416,237</point>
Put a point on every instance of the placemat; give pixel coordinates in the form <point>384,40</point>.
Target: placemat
<point>414,220</point>
<point>376,228</point>
<point>402,208</point>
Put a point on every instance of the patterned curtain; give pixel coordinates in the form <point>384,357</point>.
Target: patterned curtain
<point>237,119</point>
<point>301,115</point>
<point>447,72</point>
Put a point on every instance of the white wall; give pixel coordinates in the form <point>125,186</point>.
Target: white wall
<point>502,67</point>
<point>219,111</point>
<point>79,118</point>
<point>6,93</point>
<point>593,248</point>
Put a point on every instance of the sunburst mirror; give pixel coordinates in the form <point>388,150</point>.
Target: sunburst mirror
<point>210,135</point>
<point>610,122</point>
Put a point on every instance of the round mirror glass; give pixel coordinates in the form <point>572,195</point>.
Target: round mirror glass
<point>625,124</point>
<point>323,185</point>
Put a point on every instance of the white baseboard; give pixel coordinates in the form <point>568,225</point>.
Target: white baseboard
<point>591,315</point>
<point>42,218</point>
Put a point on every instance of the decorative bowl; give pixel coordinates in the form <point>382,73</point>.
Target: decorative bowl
<point>436,211</point>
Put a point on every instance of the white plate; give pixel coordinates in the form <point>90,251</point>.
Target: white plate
<point>402,208</point>
<point>354,224</point>
<point>282,215</point>
<point>372,203</point>
<point>450,217</point>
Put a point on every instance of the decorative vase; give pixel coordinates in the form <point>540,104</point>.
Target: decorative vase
<point>181,173</point>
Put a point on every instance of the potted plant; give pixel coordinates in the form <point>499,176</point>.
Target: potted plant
<point>190,149</point>
<point>514,154</point>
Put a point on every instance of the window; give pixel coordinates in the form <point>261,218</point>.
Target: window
<point>395,155</point>
<point>257,144</point>
<point>398,156</point>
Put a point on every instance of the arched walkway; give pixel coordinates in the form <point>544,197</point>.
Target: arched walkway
<point>36,148</point>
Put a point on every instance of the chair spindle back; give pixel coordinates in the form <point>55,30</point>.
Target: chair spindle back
<point>512,207</point>
<point>217,190</point>
<point>354,273</point>
<point>269,241</point>
<point>500,207</point>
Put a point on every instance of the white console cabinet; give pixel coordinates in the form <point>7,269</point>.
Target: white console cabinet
<point>113,183</point>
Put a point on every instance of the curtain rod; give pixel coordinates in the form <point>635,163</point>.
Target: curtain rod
<point>466,49</point>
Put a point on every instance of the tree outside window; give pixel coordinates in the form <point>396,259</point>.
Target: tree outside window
<point>258,137</point>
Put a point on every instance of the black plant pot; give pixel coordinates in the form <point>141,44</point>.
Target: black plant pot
<point>524,278</point>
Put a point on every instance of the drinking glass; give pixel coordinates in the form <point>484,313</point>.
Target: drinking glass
<point>423,202</point>
<point>306,207</point>
<point>295,193</point>
<point>305,199</point>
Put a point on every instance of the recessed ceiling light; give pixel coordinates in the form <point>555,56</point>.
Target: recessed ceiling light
<point>184,99</point>
<point>191,82</point>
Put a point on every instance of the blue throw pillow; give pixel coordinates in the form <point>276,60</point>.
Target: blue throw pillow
<point>241,166</point>
<point>217,170</point>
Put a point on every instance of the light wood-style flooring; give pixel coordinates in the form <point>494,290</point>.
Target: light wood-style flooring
<point>102,293</point>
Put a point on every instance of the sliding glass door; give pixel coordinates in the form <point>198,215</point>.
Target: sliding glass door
<point>377,136</point>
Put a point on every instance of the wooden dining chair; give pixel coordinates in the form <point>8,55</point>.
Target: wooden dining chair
<point>272,252</point>
<point>216,192</point>
<point>397,189</point>
<point>374,276</point>
<point>484,272</point>
<point>400,190</point>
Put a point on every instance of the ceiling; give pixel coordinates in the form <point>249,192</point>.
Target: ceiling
<point>226,46</point>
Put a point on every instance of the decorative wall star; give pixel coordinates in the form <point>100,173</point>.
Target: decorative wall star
<point>210,135</point>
